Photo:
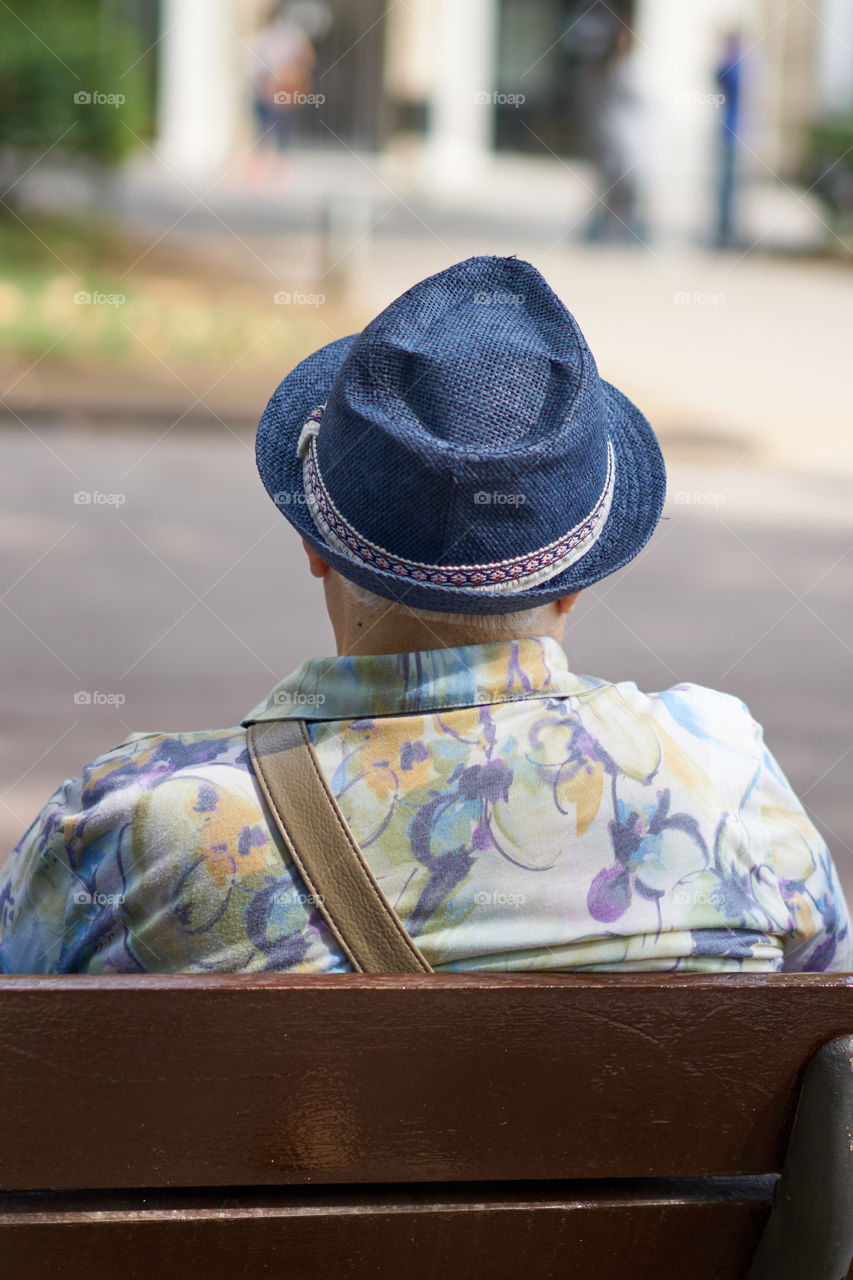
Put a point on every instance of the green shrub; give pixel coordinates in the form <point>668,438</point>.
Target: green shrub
<point>829,165</point>
<point>52,50</point>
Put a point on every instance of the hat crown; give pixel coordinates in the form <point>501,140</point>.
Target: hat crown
<point>485,370</point>
<point>475,382</point>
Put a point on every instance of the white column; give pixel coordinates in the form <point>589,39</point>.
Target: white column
<point>201,88</point>
<point>461,121</point>
<point>835,57</point>
<point>677,46</point>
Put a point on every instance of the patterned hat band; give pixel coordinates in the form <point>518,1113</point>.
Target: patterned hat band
<point>517,574</point>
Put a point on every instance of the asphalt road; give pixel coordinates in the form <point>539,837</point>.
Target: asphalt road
<point>177,595</point>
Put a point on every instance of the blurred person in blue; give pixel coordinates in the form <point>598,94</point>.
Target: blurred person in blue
<point>459,473</point>
<point>728,77</point>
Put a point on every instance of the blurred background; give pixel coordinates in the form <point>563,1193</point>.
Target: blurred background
<point>198,193</point>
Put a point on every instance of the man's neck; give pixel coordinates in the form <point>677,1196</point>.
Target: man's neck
<point>364,633</point>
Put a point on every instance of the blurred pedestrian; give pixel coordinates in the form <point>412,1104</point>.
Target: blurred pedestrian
<point>283,61</point>
<point>619,145</point>
<point>728,78</point>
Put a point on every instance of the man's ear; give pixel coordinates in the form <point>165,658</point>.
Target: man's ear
<point>316,563</point>
<point>566,603</point>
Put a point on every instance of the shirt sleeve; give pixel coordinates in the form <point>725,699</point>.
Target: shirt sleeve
<point>816,933</point>
<point>37,887</point>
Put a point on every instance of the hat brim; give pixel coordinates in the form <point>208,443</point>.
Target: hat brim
<point>638,497</point>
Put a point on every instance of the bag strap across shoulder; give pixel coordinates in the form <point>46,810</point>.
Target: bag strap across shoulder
<point>321,844</point>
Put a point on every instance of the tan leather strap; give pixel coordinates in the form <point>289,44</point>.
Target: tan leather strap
<point>321,844</point>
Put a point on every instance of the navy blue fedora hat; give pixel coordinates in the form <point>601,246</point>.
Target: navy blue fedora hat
<point>462,453</point>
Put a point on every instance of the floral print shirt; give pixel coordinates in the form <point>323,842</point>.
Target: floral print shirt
<point>516,815</point>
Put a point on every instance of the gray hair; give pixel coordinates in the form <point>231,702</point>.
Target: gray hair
<point>485,625</point>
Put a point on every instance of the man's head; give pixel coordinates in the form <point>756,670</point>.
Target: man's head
<point>461,456</point>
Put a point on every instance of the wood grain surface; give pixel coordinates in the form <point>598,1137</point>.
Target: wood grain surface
<point>233,1081</point>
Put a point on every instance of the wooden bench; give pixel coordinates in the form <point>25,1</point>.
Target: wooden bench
<point>439,1126</point>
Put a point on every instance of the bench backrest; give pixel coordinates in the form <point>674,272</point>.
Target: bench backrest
<point>440,1125</point>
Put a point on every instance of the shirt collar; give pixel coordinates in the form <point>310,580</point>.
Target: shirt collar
<point>417,683</point>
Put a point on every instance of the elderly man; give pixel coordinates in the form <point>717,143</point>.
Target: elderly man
<point>445,793</point>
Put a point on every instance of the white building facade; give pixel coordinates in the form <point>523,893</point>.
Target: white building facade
<point>439,72</point>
